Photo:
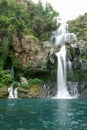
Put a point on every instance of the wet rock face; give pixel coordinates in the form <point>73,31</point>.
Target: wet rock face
<point>76,68</point>
<point>49,90</point>
<point>78,55</point>
<point>31,52</point>
<point>74,54</point>
<point>82,89</point>
<point>77,88</point>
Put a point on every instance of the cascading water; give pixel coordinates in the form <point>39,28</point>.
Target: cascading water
<point>61,36</point>
<point>61,74</point>
<point>12,92</point>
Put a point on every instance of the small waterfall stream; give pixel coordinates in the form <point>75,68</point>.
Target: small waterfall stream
<point>62,35</point>
<point>12,92</point>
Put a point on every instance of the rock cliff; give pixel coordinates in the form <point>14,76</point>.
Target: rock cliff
<point>32,53</point>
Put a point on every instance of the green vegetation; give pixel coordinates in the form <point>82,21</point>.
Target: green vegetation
<point>35,81</point>
<point>32,89</point>
<point>29,18</point>
<point>35,86</point>
<point>82,76</point>
<point>22,19</point>
<point>5,77</point>
<point>79,27</point>
<point>84,55</point>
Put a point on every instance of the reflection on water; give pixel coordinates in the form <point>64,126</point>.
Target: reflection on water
<point>43,114</point>
<point>63,112</point>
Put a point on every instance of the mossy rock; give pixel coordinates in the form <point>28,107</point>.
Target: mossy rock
<point>35,91</point>
<point>3,92</point>
<point>32,92</point>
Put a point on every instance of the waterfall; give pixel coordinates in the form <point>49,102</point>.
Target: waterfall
<point>69,66</point>
<point>62,35</point>
<point>61,74</point>
<point>12,92</point>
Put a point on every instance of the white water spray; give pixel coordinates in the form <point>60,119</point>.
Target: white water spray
<point>61,74</point>
<point>12,92</point>
<point>62,35</point>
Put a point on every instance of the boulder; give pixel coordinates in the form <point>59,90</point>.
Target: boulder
<point>30,92</point>
<point>23,81</point>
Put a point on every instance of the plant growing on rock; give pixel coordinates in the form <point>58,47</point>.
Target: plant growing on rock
<point>5,77</point>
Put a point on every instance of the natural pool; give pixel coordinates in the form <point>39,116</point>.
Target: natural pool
<point>43,114</point>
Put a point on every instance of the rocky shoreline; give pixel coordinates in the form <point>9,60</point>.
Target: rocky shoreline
<point>47,90</point>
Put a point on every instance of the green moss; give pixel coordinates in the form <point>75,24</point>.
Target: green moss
<point>35,81</point>
<point>25,86</point>
<point>32,90</point>
<point>35,91</point>
<point>82,76</point>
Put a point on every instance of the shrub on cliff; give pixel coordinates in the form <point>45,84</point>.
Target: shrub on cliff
<point>5,77</point>
<point>21,19</point>
<point>29,18</point>
<point>79,27</point>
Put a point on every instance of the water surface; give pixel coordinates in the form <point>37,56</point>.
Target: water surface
<point>43,114</point>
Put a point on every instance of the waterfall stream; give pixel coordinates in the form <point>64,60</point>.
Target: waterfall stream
<point>12,92</point>
<point>61,74</point>
<point>62,35</point>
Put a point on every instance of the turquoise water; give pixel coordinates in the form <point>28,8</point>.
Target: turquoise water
<point>43,114</point>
